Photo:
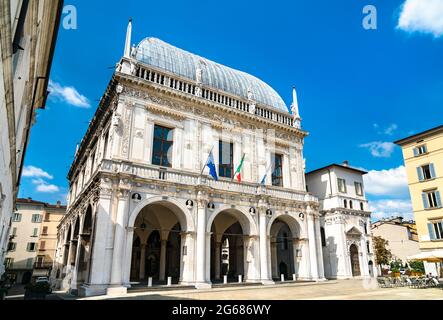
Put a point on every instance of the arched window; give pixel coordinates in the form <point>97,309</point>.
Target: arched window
<point>345,203</point>
<point>362,208</point>
<point>323,236</point>
<point>350,204</point>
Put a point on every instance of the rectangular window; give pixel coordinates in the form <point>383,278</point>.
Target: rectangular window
<point>358,188</point>
<point>418,151</point>
<point>45,231</point>
<point>431,199</point>
<point>29,262</point>
<point>9,263</point>
<point>12,246</point>
<point>426,172</point>
<point>42,245</point>
<point>36,218</point>
<point>35,232</point>
<point>435,230</point>
<point>368,246</point>
<point>341,185</point>
<point>277,174</point>
<point>39,261</point>
<point>17,217</point>
<point>32,246</point>
<point>47,217</point>
<point>225,159</point>
<point>162,146</point>
<point>14,231</point>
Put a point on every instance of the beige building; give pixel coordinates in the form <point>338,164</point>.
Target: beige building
<point>423,155</point>
<point>32,239</point>
<point>28,32</point>
<point>402,237</point>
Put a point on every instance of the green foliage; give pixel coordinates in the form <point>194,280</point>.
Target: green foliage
<point>417,266</point>
<point>382,254</point>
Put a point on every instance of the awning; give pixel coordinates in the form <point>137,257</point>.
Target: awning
<point>428,256</point>
<point>40,273</point>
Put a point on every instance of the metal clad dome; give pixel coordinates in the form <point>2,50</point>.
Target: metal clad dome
<point>162,55</point>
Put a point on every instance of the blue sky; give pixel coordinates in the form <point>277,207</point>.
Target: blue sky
<point>358,89</point>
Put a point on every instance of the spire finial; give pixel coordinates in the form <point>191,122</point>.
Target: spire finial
<point>127,53</point>
<point>294,108</point>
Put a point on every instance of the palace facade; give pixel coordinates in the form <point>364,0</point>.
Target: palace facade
<point>142,205</point>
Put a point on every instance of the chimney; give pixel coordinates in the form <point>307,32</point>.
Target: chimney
<point>346,163</point>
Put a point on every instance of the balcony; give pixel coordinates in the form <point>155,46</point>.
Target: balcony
<point>42,265</point>
<point>158,174</point>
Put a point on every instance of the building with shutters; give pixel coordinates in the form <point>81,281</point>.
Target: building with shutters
<point>32,240</point>
<point>423,156</point>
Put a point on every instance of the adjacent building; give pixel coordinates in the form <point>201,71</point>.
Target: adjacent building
<point>345,221</point>
<point>28,32</point>
<point>423,156</point>
<point>143,204</point>
<point>401,235</point>
<point>32,240</point>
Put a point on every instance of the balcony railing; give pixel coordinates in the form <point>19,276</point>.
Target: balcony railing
<point>188,178</point>
<point>42,265</point>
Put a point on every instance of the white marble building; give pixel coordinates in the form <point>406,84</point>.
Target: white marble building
<point>345,221</point>
<point>139,206</point>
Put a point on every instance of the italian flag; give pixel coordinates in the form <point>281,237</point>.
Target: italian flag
<point>237,174</point>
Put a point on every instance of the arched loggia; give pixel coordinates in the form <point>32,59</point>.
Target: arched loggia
<point>160,245</point>
<point>232,246</point>
<point>284,236</point>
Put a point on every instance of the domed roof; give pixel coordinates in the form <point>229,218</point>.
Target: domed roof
<point>160,54</point>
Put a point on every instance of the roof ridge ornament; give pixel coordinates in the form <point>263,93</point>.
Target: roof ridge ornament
<point>295,109</point>
<point>128,39</point>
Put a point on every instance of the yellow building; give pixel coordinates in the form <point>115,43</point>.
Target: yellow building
<point>423,155</point>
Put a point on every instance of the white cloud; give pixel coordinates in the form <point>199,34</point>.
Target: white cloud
<point>391,129</point>
<point>424,16</point>
<point>34,172</point>
<point>387,131</point>
<point>47,188</point>
<point>389,183</point>
<point>69,95</point>
<point>380,149</point>
<point>388,208</point>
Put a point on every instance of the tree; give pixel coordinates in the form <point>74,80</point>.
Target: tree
<point>382,254</point>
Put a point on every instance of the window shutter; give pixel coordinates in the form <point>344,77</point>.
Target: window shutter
<point>425,149</point>
<point>425,200</point>
<point>415,152</point>
<point>437,196</point>
<point>431,231</point>
<point>432,169</point>
<point>420,174</point>
<point>27,247</point>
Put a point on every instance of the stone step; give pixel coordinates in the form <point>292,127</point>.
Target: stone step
<point>145,288</point>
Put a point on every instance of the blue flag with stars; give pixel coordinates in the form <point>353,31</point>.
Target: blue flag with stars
<point>211,165</point>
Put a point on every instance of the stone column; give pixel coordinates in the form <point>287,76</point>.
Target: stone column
<point>163,259</point>
<point>321,270</point>
<point>264,243</point>
<point>187,261</point>
<point>119,239</point>
<point>364,258</point>
<point>312,244</point>
<point>274,258</point>
<point>76,264</point>
<point>142,261</point>
<point>217,260</point>
<point>201,281</point>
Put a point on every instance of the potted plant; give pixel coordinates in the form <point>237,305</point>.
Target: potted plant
<point>37,291</point>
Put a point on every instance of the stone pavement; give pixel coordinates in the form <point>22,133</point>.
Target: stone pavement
<point>328,290</point>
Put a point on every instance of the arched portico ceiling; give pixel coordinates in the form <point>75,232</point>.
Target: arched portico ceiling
<point>176,207</point>
<point>245,219</point>
<point>290,221</point>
